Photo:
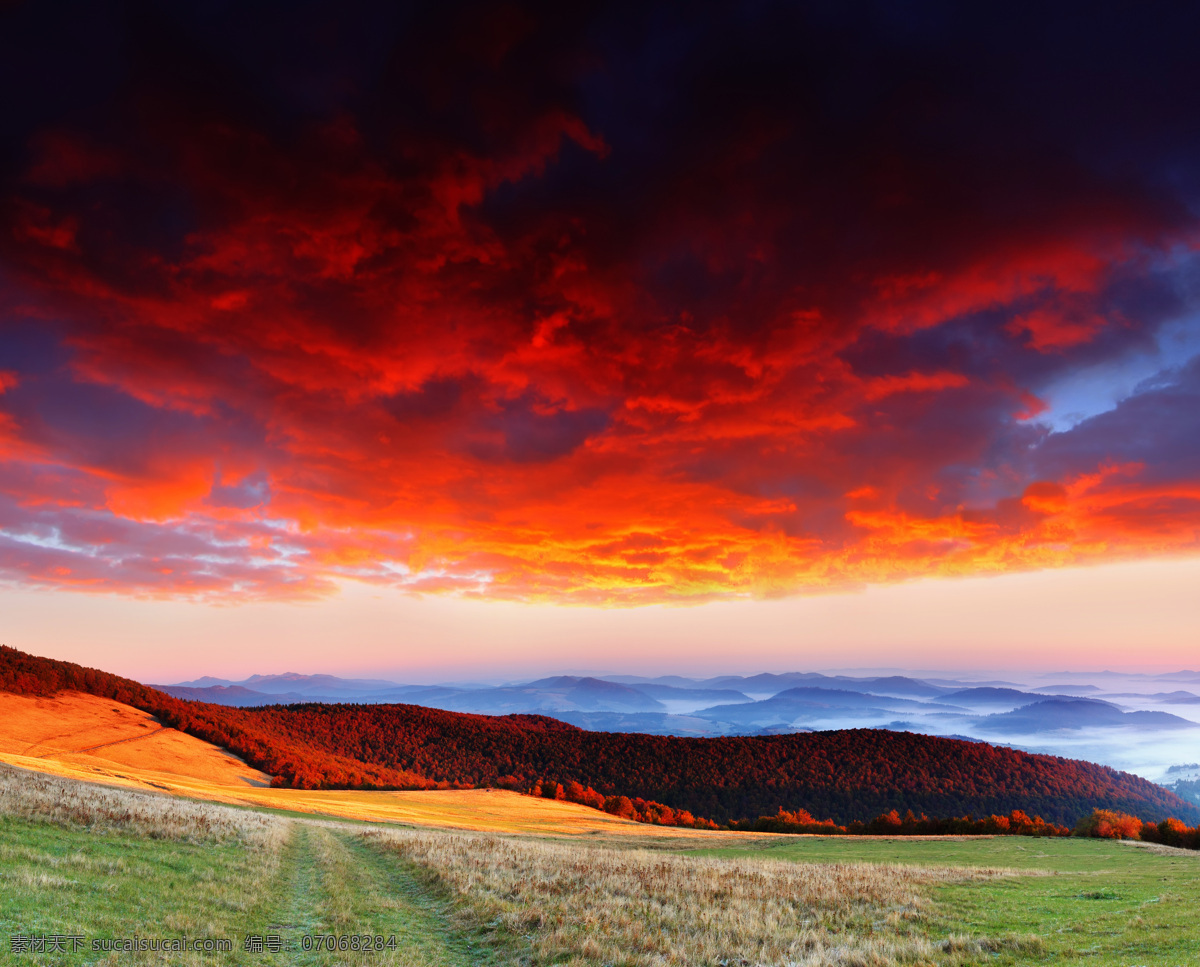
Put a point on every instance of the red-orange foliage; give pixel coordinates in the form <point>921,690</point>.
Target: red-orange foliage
<point>1172,832</point>
<point>1109,824</point>
<point>620,806</point>
<point>892,824</point>
<point>849,775</point>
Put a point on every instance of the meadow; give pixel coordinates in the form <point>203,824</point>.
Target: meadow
<point>98,862</point>
<point>80,736</point>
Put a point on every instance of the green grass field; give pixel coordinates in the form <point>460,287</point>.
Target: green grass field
<point>318,882</point>
<point>1094,902</point>
<point>116,864</point>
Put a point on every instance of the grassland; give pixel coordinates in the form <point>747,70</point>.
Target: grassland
<point>593,905</point>
<point>82,860</point>
<point>77,733</point>
<point>104,863</point>
<point>81,736</point>
<point>1100,903</point>
<point>85,860</point>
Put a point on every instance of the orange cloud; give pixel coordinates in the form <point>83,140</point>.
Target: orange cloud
<point>465,332</point>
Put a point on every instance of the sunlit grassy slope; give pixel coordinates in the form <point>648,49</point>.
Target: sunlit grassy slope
<point>81,736</point>
<point>93,736</point>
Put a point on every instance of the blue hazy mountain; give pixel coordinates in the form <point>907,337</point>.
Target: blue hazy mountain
<point>1077,713</point>
<point>988,697</point>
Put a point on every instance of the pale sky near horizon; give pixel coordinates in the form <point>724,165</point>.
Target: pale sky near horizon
<point>1140,616</point>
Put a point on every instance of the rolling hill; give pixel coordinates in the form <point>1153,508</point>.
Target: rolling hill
<point>1076,713</point>
<point>847,774</point>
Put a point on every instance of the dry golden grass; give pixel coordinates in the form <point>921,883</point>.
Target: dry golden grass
<point>85,736</point>
<point>78,736</point>
<point>482,810</point>
<point>477,810</point>
<point>579,904</point>
<point>32,795</point>
<point>107,863</point>
<point>1160,848</point>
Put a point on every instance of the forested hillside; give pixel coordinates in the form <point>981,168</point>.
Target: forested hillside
<point>845,775</point>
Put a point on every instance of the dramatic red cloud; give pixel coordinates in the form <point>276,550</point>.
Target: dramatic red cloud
<point>485,339</point>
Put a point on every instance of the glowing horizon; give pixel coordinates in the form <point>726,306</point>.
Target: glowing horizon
<point>1083,620</point>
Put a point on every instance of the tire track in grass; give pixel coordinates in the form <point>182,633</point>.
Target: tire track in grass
<point>106,745</point>
<point>334,885</point>
<point>372,894</point>
<point>297,906</point>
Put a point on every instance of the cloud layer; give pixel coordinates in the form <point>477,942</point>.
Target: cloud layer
<point>611,305</point>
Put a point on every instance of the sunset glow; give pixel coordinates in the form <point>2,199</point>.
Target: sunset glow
<point>512,305</point>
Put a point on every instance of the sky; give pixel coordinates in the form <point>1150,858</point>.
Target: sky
<point>530,335</point>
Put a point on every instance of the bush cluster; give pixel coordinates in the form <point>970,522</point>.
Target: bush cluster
<point>891,823</point>
<point>1107,824</point>
<point>636,809</point>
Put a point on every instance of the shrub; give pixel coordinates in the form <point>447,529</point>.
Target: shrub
<point>1106,824</point>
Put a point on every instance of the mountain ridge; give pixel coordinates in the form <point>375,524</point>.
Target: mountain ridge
<point>843,774</point>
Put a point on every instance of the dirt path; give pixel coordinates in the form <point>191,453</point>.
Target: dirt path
<point>332,885</point>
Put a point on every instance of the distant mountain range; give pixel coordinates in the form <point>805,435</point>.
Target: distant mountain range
<point>615,693</point>
<point>728,704</point>
<point>1123,728</point>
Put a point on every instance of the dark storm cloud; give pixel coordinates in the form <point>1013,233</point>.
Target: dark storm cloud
<point>484,288</point>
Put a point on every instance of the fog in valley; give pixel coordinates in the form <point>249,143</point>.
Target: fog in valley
<point>1140,723</point>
